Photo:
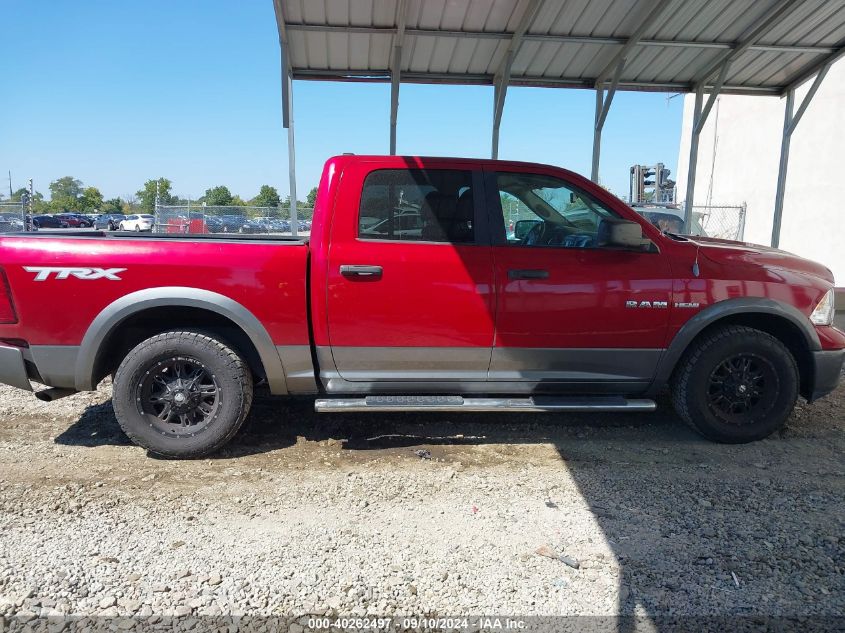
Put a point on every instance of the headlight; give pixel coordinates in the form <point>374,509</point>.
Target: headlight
<point>823,314</point>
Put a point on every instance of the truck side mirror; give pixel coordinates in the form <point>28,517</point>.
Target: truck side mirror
<point>623,234</point>
<point>522,228</point>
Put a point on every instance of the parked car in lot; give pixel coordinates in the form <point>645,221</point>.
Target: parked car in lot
<point>231,223</point>
<point>590,308</point>
<point>75,220</point>
<point>251,226</point>
<point>213,224</point>
<point>269,225</point>
<point>109,221</point>
<point>195,223</point>
<point>49,222</point>
<point>137,223</point>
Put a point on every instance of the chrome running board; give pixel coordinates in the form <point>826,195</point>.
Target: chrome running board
<point>535,404</point>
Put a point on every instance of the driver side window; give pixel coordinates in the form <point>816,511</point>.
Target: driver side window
<point>544,211</point>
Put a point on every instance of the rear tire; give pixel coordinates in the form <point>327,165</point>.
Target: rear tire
<point>736,385</point>
<point>182,394</point>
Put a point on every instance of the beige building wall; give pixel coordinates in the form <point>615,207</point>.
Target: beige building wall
<point>739,150</point>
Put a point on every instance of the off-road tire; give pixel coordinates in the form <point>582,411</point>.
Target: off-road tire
<point>692,384</point>
<point>229,370</point>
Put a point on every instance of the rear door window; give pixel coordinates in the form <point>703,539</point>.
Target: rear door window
<point>427,205</point>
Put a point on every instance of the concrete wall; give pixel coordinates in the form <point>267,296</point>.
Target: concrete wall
<point>738,159</point>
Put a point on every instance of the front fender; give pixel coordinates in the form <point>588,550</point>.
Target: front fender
<point>719,311</point>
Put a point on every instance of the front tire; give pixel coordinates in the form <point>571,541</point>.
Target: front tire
<point>736,385</point>
<point>182,394</point>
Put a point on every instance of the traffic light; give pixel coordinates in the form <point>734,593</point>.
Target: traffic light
<point>648,172</point>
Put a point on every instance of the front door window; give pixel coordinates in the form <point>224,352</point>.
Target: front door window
<point>544,211</point>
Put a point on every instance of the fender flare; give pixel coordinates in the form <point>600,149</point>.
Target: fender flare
<point>720,310</point>
<point>176,296</point>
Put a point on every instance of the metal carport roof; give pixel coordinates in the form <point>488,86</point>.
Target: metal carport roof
<point>761,47</point>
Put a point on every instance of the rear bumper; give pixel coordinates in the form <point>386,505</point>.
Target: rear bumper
<point>827,370</point>
<point>13,368</point>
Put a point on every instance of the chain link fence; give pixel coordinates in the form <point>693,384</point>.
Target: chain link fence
<point>12,217</point>
<point>194,219</point>
<point>725,222</point>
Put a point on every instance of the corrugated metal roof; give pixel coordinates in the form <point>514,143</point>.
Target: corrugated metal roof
<point>772,43</point>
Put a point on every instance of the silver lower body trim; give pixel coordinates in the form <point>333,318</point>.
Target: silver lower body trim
<point>365,364</point>
<point>435,404</point>
<point>567,365</point>
<point>56,364</point>
<point>13,368</point>
<point>299,368</point>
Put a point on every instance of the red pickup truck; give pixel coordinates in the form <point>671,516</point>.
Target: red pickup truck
<point>427,284</point>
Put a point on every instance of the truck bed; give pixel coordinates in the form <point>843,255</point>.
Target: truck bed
<point>65,284</point>
<point>88,234</point>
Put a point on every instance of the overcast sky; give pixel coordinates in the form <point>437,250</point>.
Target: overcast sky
<point>115,93</point>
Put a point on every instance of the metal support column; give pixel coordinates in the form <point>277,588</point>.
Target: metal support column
<point>699,118</point>
<point>503,74</point>
<point>294,218</point>
<point>395,72</point>
<point>693,158</point>
<point>594,172</point>
<point>500,89</point>
<point>287,111</point>
<point>790,121</point>
<point>617,65</point>
<point>602,108</point>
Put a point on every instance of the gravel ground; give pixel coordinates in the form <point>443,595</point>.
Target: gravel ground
<point>419,515</point>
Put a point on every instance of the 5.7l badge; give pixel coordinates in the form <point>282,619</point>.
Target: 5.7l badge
<point>660,304</point>
<point>647,304</point>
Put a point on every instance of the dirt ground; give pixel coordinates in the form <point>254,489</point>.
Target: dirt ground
<point>423,514</point>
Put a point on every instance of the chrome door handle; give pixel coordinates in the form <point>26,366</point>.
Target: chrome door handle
<point>356,270</point>
<point>529,273</point>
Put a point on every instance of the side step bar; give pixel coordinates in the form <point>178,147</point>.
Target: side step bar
<point>534,404</point>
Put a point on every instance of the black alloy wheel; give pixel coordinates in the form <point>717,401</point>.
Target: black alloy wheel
<point>179,396</point>
<point>735,384</point>
<point>742,387</point>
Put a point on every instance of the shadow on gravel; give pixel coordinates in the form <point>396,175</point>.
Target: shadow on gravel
<point>276,423</point>
<point>738,532</point>
<point>97,426</point>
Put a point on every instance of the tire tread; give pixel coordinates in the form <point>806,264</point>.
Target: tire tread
<point>681,382</point>
<point>237,365</point>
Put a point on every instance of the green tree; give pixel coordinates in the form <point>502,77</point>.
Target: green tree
<point>65,194</point>
<point>286,203</point>
<point>267,197</point>
<point>91,200</point>
<point>38,204</point>
<point>147,195</point>
<point>312,197</point>
<point>66,187</point>
<point>17,195</point>
<point>114,205</point>
<point>219,196</point>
